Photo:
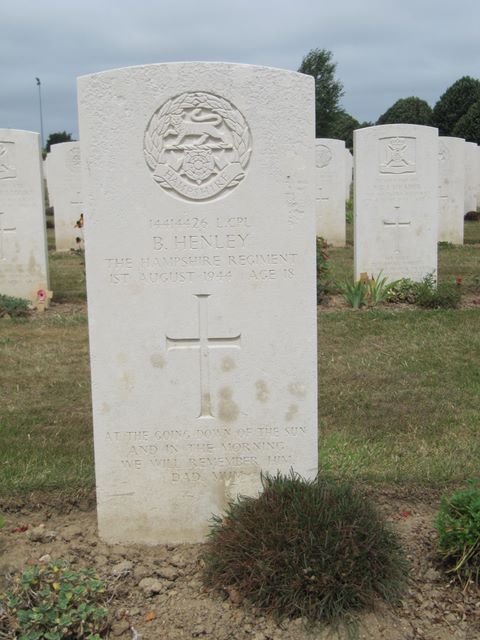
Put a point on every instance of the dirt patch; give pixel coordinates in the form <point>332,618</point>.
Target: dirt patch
<point>158,592</point>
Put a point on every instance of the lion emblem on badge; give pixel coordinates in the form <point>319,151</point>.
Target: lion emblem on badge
<point>197,145</point>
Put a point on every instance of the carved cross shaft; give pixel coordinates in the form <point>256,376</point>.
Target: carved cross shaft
<point>4,230</point>
<point>396,224</point>
<point>204,343</point>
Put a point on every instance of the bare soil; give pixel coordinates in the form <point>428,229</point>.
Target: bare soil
<point>157,592</point>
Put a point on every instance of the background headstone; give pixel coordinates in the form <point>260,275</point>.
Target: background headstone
<point>330,190</point>
<point>471,178</point>
<point>451,186</point>
<point>396,201</point>
<point>200,254</point>
<point>65,190</point>
<point>23,239</point>
<point>348,173</point>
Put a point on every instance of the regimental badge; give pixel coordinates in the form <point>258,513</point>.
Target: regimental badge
<point>323,156</point>
<point>7,160</point>
<point>397,155</point>
<point>443,153</point>
<point>73,159</point>
<point>197,145</point>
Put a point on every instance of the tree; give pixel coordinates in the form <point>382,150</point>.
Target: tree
<point>344,125</point>
<point>328,91</point>
<point>55,138</point>
<point>468,126</point>
<point>410,110</point>
<point>454,103</point>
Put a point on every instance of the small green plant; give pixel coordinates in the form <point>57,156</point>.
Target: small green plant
<point>403,290</point>
<point>443,244</point>
<point>14,307</point>
<point>323,270</point>
<point>378,289</point>
<point>56,602</point>
<point>458,526</point>
<point>355,293</point>
<point>315,549</point>
<point>446,295</point>
<point>2,522</point>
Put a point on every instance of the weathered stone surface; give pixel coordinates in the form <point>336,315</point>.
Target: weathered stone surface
<point>65,192</point>
<point>451,187</point>
<point>396,201</point>
<point>200,255</point>
<point>23,239</point>
<point>330,161</point>
<point>471,177</point>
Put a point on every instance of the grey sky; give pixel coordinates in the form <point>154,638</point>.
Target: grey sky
<point>384,49</point>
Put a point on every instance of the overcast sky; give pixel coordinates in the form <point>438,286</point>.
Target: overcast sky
<point>384,49</point>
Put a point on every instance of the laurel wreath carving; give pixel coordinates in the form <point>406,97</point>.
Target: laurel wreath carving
<point>159,123</point>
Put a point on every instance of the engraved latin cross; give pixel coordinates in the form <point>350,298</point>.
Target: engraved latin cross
<point>396,224</point>
<point>204,343</point>
<point>4,230</point>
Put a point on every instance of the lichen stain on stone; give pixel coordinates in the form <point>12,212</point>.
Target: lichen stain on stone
<point>157,360</point>
<point>297,389</point>
<point>127,381</point>
<point>228,364</point>
<point>227,408</point>
<point>262,391</point>
<point>121,358</point>
<point>105,408</point>
<point>292,412</point>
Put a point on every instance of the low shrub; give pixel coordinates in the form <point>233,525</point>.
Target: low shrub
<point>54,601</point>
<point>446,295</point>
<point>472,215</point>
<point>403,290</point>
<point>315,549</point>
<point>14,307</point>
<point>458,527</point>
<point>367,291</point>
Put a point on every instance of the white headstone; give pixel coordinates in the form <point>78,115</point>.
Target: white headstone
<point>451,177</point>
<point>330,186</point>
<point>200,253</point>
<point>65,189</point>
<point>471,179</point>
<point>478,176</point>
<point>348,173</point>
<point>396,201</point>
<point>23,238</point>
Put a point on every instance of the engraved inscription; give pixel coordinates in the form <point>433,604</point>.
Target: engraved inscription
<point>7,160</point>
<point>204,343</point>
<point>197,145</point>
<point>443,153</point>
<point>397,155</point>
<point>4,230</point>
<point>396,224</point>
<point>323,156</point>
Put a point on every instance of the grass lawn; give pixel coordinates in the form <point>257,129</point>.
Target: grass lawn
<point>399,390</point>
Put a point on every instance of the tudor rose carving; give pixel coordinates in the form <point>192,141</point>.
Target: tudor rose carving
<point>197,145</point>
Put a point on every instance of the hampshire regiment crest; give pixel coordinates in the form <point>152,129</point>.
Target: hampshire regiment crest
<point>197,145</point>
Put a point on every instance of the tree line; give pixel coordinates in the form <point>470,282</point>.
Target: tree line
<point>456,112</point>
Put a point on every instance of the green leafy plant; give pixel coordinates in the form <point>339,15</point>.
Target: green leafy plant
<point>315,549</point>
<point>446,295</point>
<point>403,290</point>
<point>458,527</point>
<point>355,293</point>
<point>378,289</point>
<point>14,307</point>
<point>443,244</point>
<point>55,602</point>
<point>323,270</point>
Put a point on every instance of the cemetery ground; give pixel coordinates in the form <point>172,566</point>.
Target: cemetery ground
<point>399,405</point>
